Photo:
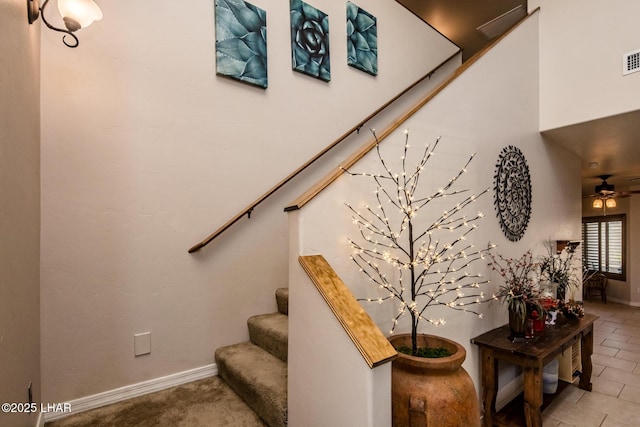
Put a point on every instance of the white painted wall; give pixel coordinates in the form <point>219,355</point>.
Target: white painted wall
<point>581,48</point>
<point>492,105</point>
<point>19,210</point>
<point>145,151</point>
<point>330,383</point>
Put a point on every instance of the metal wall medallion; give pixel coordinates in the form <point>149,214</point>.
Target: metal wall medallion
<point>512,193</point>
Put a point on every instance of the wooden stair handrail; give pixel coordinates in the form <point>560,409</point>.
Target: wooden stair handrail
<point>380,136</point>
<point>374,347</point>
<point>249,209</point>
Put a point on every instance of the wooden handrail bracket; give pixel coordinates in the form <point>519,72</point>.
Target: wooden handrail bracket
<point>367,337</point>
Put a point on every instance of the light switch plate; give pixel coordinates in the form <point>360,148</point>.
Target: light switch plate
<point>142,344</point>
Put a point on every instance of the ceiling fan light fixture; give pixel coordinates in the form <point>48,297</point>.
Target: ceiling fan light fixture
<point>610,203</point>
<point>605,188</point>
<point>597,204</point>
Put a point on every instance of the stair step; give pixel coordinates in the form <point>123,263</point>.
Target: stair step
<point>271,332</point>
<point>258,377</point>
<point>282,298</point>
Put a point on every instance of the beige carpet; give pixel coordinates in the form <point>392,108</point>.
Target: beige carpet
<point>209,402</point>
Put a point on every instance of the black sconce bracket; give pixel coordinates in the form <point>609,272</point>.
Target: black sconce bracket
<point>34,11</point>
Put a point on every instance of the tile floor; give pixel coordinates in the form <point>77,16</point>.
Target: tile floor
<point>615,399</point>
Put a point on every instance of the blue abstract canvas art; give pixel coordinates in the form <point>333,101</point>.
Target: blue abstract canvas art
<point>362,40</point>
<point>241,41</point>
<point>310,40</point>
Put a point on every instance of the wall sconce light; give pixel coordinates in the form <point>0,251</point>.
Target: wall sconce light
<point>76,14</point>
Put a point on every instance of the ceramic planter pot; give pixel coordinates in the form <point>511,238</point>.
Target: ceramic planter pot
<point>432,392</point>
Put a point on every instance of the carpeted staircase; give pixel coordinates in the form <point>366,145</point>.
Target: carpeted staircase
<point>257,370</point>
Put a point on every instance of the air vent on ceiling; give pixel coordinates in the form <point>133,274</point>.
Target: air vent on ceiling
<point>631,62</point>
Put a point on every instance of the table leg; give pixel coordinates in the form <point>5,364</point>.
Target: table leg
<point>585,356</point>
<point>489,385</point>
<point>533,395</point>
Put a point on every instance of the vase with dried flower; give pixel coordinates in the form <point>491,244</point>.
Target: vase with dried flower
<point>558,267</point>
<point>519,290</point>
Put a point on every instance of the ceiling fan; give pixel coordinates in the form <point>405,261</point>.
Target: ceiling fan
<point>605,194</point>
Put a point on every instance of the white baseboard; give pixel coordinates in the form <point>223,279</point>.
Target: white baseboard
<point>621,301</point>
<point>134,390</point>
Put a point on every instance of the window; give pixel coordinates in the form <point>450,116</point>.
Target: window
<point>603,245</point>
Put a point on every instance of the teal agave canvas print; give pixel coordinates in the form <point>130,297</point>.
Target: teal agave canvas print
<point>362,40</point>
<point>241,41</point>
<point>310,40</point>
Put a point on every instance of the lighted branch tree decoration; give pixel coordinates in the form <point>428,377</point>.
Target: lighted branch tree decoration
<point>434,256</point>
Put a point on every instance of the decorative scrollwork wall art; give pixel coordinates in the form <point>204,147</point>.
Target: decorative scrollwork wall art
<point>512,192</point>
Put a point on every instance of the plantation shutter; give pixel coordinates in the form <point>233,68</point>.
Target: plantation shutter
<point>614,247</point>
<point>603,245</point>
<point>590,248</point>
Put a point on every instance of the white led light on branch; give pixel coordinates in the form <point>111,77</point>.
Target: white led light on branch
<point>432,256</point>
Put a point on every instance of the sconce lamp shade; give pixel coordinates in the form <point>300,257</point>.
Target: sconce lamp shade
<point>79,13</point>
<point>597,203</point>
<point>75,13</point>
<point>610,203</point>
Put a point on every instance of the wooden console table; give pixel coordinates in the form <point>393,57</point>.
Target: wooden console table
<point>532,355</point>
